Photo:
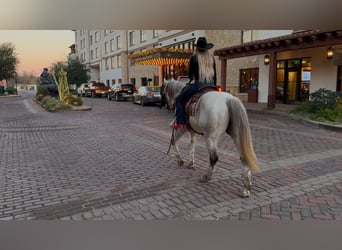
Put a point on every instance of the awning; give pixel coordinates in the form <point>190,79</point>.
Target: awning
<point>162,56</point>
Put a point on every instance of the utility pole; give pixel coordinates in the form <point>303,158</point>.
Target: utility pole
<point>127,63</point>
<point>16,81</point>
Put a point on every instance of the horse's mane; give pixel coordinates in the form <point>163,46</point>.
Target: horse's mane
<point>173,88</point>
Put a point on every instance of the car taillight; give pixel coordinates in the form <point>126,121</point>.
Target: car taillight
<point>219,89</point>
<point>149,94</point>
<point>135,89</point>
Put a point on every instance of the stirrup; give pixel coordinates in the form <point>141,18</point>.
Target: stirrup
<point>178,126</point>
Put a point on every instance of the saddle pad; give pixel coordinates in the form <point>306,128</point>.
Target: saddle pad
<point>192,106</point>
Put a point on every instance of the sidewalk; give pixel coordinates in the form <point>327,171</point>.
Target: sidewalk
<point>284,109</point>
<point>263,106</point>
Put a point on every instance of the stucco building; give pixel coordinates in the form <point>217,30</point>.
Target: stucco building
<point>298,62</point>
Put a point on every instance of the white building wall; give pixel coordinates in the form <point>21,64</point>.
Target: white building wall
<point>253,35</point>
<point>323,74</point>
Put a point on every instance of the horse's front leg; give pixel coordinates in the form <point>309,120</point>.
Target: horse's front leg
<point>192,150</point>
<point>178,134</point>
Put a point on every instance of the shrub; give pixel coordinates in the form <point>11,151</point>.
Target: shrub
<point>41,92</point>
<point>11,90</point>
<point>52,104</point>
<point>323,105</point>
<point>323,99</point>
<point>73,100</point>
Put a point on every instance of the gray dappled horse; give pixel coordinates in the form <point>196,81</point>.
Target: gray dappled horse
<point>216,114</point>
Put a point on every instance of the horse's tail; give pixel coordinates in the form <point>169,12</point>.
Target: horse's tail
<point>239,129</point>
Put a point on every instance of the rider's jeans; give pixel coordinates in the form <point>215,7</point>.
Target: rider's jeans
<point>180,109</point>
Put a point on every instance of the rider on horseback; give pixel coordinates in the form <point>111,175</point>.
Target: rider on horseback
<point>202,69</point>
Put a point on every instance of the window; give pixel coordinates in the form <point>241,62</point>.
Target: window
<point>113,62</point>
<point>96,36</point>
<point>144,81</point>
<point>133,81</point>
<point>112,45</point>
<point>143,36</point>
<point>155,33</point>
<point>92,55</point>
<point>119,61</point>
<point>106,47</point>
<point>108,63</point>
<point>97,52</point>
<point>248,79</point>
<point>118,42</point>
<point>131,38</point>
<point>83,43</point>
<point>91,39</point>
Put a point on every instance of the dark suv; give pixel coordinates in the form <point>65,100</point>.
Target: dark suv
<point>121,91</point>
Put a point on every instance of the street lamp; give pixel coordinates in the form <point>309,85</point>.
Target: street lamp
<point>16,81</point>
<point>330,53</point>
<point>266,59</point>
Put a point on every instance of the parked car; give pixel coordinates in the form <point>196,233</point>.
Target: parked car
<point>2,89</point>
<point>121,91</point>
<point>147,95</point>
<point>97,89</point>
<point>82,89</point>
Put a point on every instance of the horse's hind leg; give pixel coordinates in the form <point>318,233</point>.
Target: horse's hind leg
<point>213,158</point>
<point>247,175</point>
<point>247,182</point>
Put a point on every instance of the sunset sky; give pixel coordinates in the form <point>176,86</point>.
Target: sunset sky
<point>37,49</point>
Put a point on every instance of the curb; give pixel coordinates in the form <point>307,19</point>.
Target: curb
<point>297,118</point>
<point>9,96</point>
<point>74,108</point>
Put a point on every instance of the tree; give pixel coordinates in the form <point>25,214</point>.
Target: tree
<point>77,72</point>
<point>60,77</point>
<point>27,78</point>
<point>8,60</point>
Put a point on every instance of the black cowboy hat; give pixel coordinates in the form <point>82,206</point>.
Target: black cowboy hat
<point>202,44</point>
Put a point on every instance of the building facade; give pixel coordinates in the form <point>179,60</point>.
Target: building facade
<point>106,53</point>
<point>110,55</point>
<point>288,67</point>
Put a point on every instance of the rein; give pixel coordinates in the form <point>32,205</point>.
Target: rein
<point>171,141</point>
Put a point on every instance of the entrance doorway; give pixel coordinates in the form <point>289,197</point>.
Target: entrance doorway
<point>291,87</point>
<point>293,80</point>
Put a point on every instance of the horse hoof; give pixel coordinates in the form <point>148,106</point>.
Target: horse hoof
<point>204,178</point>
<point>246,193</point>
<point>190,166</point>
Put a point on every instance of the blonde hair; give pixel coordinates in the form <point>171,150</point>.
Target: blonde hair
<point>205,64</point>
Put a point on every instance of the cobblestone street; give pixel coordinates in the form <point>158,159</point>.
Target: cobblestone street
<point>111,163</point>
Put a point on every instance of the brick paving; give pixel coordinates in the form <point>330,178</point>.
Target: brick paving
<point>111,163</point>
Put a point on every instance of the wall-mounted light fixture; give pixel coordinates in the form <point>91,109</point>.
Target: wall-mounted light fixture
<point>330,53</point>
<point>266,59</point>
